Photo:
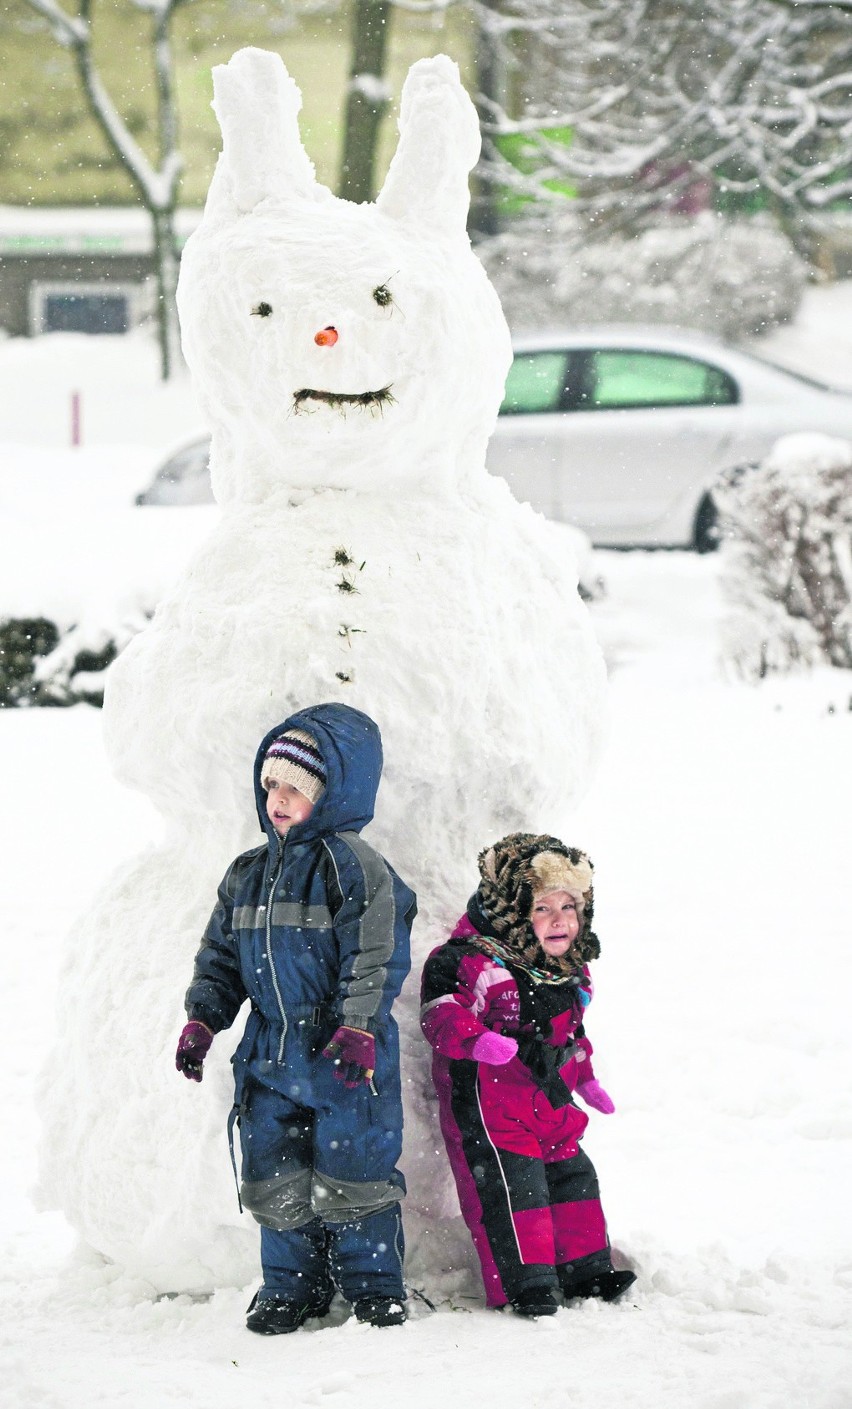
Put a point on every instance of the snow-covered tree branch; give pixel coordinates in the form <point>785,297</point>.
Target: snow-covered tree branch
<point>648,97</point>
<point>157,184</point>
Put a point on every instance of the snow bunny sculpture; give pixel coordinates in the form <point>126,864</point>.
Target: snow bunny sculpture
<point>351,361</point>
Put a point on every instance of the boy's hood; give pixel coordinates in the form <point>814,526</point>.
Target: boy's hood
<point>351,749</point>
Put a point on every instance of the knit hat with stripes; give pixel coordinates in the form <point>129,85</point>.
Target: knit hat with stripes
<point>295,759</point>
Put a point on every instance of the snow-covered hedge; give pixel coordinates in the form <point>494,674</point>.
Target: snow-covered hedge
<point>787,558</point>
<point>43,662</point>
<point>731,278</point>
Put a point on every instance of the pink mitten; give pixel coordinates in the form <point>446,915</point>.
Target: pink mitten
<point>353,1052</point>
<point>193,1046</point>
<point>494,1049</point>
<point>593,1094</point>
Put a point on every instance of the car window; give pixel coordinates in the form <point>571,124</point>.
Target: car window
<point>623,378</point>
<point>191,462</point>
<point>535,383</point>
<point>183,479</point>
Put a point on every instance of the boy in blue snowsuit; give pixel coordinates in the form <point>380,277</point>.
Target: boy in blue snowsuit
<point>313,928</point>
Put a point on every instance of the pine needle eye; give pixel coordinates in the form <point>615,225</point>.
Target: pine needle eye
<point>262,310</point>
<point>382,295</point>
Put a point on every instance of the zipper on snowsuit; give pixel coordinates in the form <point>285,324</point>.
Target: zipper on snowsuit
<point>276,875</point>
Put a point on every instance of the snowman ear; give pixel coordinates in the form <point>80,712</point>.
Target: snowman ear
<point>438,146</point>
<point>257,104</point>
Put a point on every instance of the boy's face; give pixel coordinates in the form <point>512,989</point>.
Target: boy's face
<point>285,805</point>
<point>555,922</point>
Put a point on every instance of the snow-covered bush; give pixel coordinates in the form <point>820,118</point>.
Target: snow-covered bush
<point>46,663</point>
<point>75,670</point>
<point>730,278</point>
<point>787,558</point>
<point>23,641</point>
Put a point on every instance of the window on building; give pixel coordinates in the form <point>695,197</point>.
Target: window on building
<point>86,313</point>
<point>84,308</point>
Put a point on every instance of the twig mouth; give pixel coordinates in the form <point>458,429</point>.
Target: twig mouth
<point>342,399</point>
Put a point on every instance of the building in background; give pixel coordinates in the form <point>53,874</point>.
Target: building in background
<point>78,269</point>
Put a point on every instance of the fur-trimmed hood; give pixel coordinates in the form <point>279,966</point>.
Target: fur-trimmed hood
<point>514,872</point>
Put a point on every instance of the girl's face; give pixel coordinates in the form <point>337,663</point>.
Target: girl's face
<point>555,922</point>
<point>286,807</point>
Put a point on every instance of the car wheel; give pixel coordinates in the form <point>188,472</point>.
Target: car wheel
<point>707,534</point>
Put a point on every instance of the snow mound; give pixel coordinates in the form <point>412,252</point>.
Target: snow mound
<point>788,558</point>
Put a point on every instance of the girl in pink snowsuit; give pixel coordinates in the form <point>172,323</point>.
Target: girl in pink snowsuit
<point>503,1006</point>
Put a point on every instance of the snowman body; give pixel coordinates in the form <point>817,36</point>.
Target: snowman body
<point>351,361</point>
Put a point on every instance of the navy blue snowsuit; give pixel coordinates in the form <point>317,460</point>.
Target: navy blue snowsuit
<point>314,930</point>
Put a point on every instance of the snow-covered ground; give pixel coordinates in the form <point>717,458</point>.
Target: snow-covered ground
<point>718,825</point>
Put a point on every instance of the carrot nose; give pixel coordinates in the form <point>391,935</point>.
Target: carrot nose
<point>326,337</point>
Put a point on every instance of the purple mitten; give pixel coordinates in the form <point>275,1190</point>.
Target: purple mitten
<point>593,1094</point>
<point>494,1049</point>
<point>353,1053</point>
<point>193,1046</point>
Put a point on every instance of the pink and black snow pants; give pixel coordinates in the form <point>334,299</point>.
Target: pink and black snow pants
<point>528,1193</point>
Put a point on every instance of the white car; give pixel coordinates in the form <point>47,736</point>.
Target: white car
<point>624,431</point>
<point>183,477</point>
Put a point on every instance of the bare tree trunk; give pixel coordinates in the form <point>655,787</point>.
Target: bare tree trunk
<point>484,217</point>
<point>163,218</point>
<point>367,100</point>
<point>166,274</point>
<point>157,187</point>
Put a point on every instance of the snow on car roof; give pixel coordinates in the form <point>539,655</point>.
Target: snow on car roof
<point>619,335</point>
